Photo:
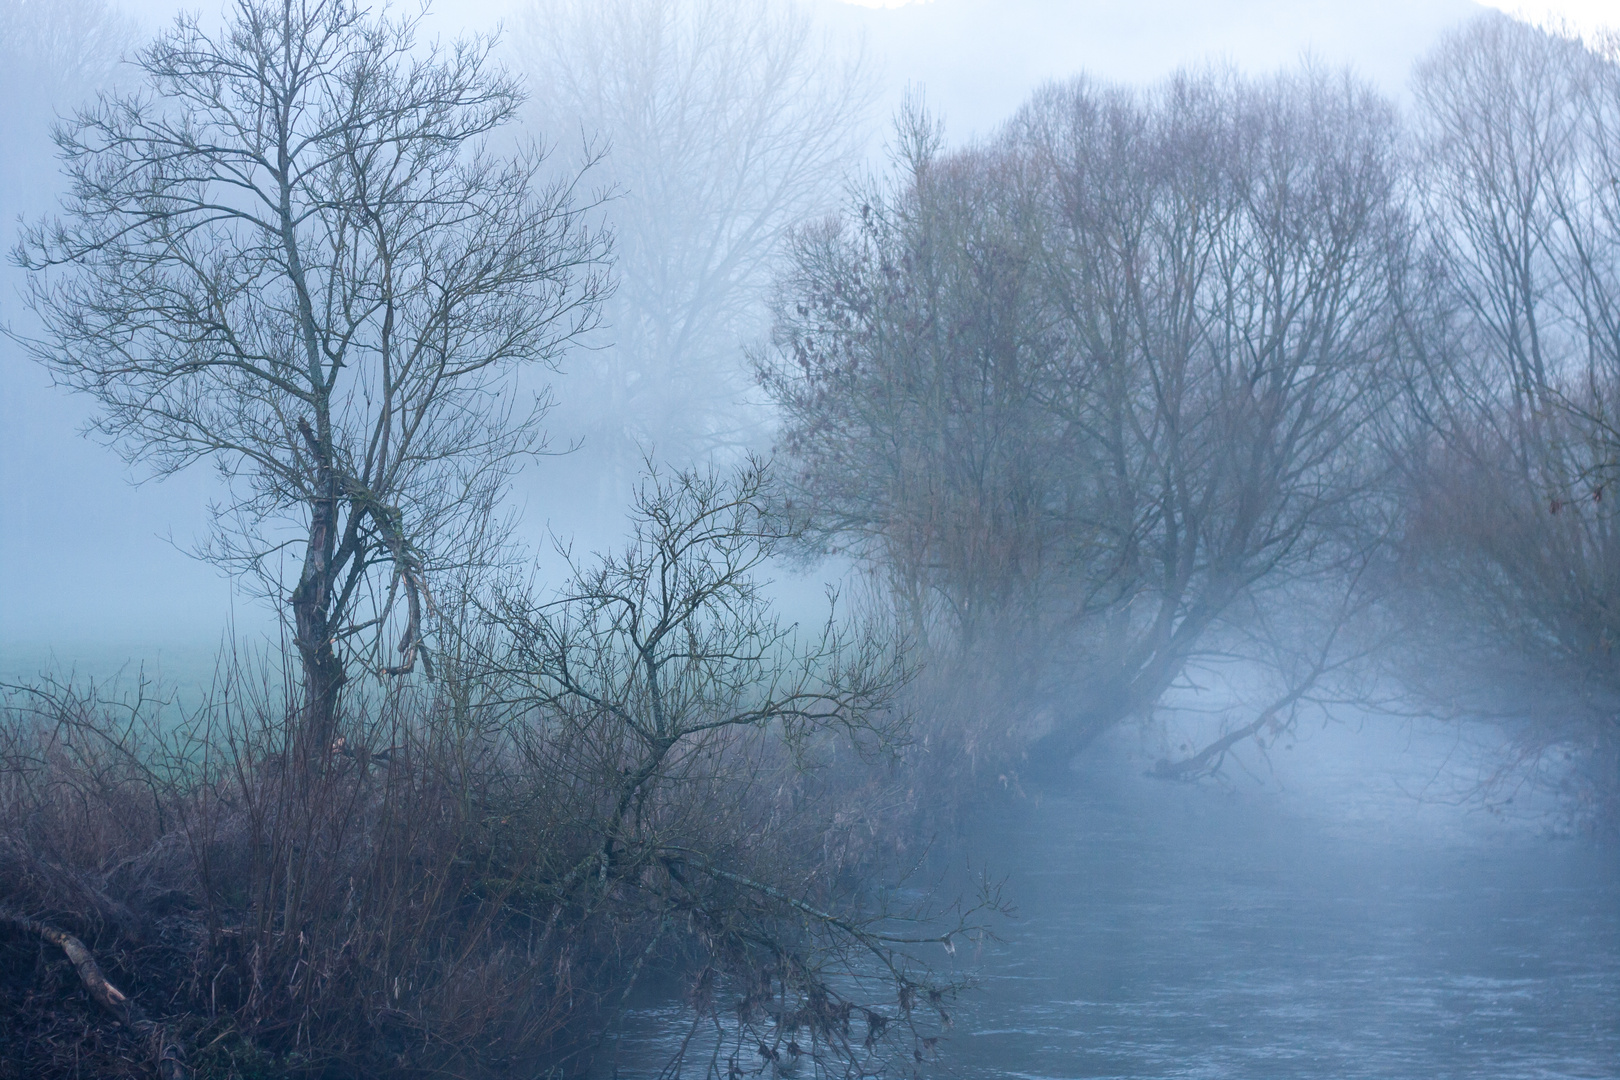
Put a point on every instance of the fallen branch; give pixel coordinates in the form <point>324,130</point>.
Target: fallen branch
<point>1199,764</point>
<point>170,1063</point>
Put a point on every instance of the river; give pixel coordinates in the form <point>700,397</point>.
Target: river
<point>1350,911</point>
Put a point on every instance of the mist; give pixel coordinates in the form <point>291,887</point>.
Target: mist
<point>110,564</point>
<point>809,538</point>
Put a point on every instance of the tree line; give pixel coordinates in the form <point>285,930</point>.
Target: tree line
<point>1236,367</point>
<point>1226,369</point>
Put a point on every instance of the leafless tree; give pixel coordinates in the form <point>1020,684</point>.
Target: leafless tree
<point>51,53</point>
<point>1238,324</point>
<point>1120,361</point>
<point>1513,373</point>
<point>725,124</point>
<point>291,255</point>
<point>691,717</point>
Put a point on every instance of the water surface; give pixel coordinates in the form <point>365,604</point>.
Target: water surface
<point>1352,909</point>
<point>1169,930</point>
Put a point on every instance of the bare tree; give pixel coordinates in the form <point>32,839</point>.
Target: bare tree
<point>1238,321</point>
<point>672,642</point>
<point>688,715</point>
<point>912,362</point>
<point>1510,444</point>
<point>1117,367</point>
<point>641,772</point>
<point>50,54</point>
<point>725,124</point>
<point>290,255</point>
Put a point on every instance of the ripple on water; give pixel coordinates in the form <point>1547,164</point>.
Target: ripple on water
<point>1323,924</point>
<point>1201,932</point>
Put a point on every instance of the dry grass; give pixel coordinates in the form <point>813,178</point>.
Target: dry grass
<point>430,900</point>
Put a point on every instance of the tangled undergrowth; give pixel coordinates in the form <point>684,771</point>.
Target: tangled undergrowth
<point>646,775</point>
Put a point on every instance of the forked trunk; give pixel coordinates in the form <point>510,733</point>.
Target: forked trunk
<point>315,636</point>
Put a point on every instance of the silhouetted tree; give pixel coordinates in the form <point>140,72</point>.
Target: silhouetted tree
<point>687,722</point>
<point>1083,388</point>
<point>291,255</point>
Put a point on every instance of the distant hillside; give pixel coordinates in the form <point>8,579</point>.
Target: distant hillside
<point>978,59</point>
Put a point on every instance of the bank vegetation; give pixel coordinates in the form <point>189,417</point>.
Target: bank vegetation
<point>1230,373</point>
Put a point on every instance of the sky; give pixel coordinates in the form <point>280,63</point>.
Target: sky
<point>977,60</point>
<point>93,567</point>
<point>1589,16</point>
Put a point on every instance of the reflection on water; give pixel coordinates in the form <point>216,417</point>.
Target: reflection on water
<point>1314,923</point>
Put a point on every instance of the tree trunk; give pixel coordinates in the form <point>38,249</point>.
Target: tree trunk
<point>170,1055</point>
<point>1050,755</point>
<point>323,681</point>
<point>313,618</point>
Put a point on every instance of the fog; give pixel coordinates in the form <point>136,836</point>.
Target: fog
<point>97,571</point>
<point>810,538</point>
